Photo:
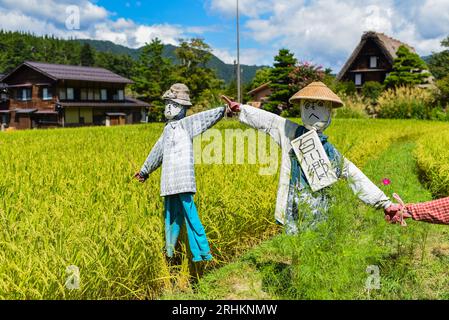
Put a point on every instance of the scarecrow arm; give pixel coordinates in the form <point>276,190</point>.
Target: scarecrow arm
<point>154,159</point>
<point>363,187</point>
<point>200,122</point>
<point>277,127</point>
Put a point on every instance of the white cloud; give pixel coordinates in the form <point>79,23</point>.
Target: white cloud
<point>326,31</point>
<point>49,17</point>
<point>251,8</point>
<point>248,56</point>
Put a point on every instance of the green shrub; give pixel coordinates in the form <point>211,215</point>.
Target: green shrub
<point>442,94</point>
<point>354,107</point>
<point>372,90</point>
<point>345,87</point>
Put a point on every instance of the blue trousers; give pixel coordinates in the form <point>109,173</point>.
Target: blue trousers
<point>180,207</point>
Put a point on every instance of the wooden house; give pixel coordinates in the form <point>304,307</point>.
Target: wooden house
<point>53,95</point>
<point>372,59</point>
<point>259,95</point>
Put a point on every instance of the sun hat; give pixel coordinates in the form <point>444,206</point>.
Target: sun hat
<point>317,91</point>
<point>179,93</point>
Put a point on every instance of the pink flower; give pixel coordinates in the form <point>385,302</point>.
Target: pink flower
<point>386,181</point>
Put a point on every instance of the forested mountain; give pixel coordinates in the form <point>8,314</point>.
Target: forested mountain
<point>224,71</point>
<point>16,47</point>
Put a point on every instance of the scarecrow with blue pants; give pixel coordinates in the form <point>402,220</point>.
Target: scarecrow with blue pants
<point>174,151</point>
<point>294,191</point>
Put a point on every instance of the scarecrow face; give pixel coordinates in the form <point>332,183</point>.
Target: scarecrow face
<point>173,110</point>
<point>316,114</point>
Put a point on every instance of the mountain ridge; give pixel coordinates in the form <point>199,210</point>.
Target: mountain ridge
<point>224,71</point>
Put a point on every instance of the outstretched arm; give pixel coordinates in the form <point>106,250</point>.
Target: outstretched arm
<point>270,123</point>
<point>435,211</point>
<point>152,162</point>
<point>363,187</point>
<point>200,122</point>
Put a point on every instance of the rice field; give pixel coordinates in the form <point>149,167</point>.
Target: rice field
<point>68,203</point>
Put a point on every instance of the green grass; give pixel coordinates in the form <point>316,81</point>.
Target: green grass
<point>67,198</point>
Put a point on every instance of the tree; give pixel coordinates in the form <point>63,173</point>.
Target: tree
<point>152,76</point>
<point>280,81</point>
<point>407,69</point>
<point>121,64</point>
<point>262,76</point>
<point>193,70</point>
<point>302,75</point>
<point>87,57</point>
<point>439,62</point>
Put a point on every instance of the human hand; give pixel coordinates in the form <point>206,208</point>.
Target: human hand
<point>234,106</point>
<point>139,177</point>
<point>396,213</point>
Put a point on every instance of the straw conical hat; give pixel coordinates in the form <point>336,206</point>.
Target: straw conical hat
<point>317,91</point>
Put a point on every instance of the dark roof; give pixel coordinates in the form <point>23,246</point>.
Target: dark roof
<point>69,72</point>
<point>25,110</point>
<point>127,103</point>
<point>260,88</point>
<point>388,45</point>
<point>116,114</point>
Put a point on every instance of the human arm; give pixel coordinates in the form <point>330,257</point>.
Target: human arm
<point>152,162</point>
<point>435,211</point>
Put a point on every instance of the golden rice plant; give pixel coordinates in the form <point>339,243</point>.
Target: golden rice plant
<point>67,198</point>
<point>432,155</point>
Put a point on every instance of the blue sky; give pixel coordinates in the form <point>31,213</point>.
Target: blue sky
<point>320,31</point>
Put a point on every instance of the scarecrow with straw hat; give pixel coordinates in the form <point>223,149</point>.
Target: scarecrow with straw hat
<point>174,151</point>
<point>310,163</point>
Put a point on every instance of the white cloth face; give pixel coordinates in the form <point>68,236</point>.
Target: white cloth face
<point>316,114</point>
<point>172,109</point>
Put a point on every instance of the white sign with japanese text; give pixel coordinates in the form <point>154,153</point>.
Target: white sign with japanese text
<point>314,161</point>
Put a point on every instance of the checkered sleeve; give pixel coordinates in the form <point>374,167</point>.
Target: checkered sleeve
<point>436,211</point>
<point>200,122</point>
<point>153,160</point>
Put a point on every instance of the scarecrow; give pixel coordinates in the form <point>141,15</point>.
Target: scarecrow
<point>309,162</point>
<point>174,151</point>
<point>435,211</point>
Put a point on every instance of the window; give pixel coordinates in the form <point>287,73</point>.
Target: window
<point>121,95</point>
<point>24,94</point>
<point>358,79</point>
<point>90,94</point>
<point>62,94</point>
<point>373,62</point>
<point>97,94</point>
<point>104,94</point>
<point>47,94</point>
<point>83,94</point>
<point>70,94</point>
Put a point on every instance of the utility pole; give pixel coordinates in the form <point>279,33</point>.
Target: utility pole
<point>239,94</point>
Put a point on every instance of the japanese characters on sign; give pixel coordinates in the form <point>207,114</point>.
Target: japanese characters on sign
<point>314,161</point>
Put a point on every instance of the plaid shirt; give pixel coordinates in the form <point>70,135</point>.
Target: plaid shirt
<point>174,150</point>
<point>436,211</point>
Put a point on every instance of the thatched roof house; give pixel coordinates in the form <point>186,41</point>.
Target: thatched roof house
<point>372,59</point>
